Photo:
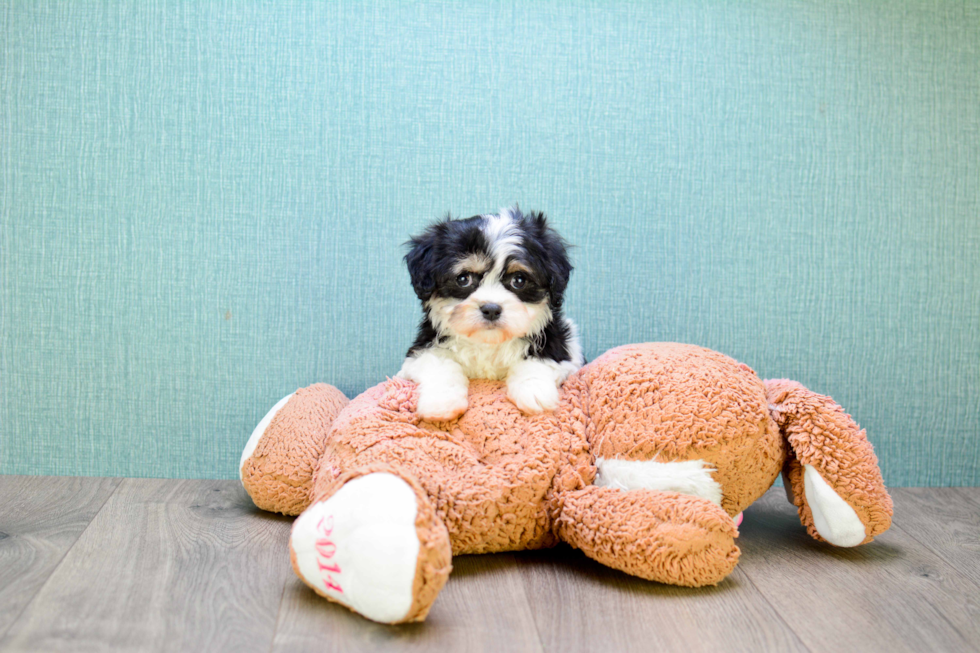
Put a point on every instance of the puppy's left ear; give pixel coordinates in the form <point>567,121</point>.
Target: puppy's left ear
<point>420,262</point>
<point>555,260</point>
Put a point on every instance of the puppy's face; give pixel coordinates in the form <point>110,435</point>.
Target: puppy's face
<point>489,278</point>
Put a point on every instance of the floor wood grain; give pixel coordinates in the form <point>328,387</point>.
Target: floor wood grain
<point>483,607</point>
<point>166,565</point>
<point>891,595</point>
<point>946,521</point>
<point>579,604</point>
<point>40,520</point>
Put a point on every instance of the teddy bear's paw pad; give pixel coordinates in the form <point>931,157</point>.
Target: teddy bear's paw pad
<point>253,440</point>
<point>360,547</point>
<point>833,518</point>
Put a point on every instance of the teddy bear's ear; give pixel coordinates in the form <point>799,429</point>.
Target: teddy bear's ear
<point>421,261</point>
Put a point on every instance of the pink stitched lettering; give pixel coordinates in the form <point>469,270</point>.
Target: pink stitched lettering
<point>325,549</point>
<point>335,568</point>
<point>328,528</point>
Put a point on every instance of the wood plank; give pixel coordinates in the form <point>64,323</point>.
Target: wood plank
<point>946,521</point>
<point>165,565</point>
<point>482,607</point>
<point>40,519</point>
<point>192,565</point>
<point>891,595</point>
<point>969,493</point>
<point>580,605</point>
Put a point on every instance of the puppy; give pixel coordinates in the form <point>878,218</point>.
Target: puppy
<point>491,288</point>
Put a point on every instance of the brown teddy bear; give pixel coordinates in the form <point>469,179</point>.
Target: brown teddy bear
<point>651,453</point>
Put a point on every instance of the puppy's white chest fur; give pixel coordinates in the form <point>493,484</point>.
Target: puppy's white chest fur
<point>483,361</point>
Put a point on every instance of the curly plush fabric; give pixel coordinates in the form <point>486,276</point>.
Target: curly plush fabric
<point>488,473</point>
<point>662,536</point>
<point>279,473</point>
<point>496,479</point>
<point>674,402</point>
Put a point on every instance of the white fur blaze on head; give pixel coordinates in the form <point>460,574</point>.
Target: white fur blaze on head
<point>692,477</point>
<point>259,431</point>
<point>833,518</point>
<point>360,546</point>
<point>504,238</point>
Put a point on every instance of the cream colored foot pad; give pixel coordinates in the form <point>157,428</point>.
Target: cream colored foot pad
<point>360,546</point>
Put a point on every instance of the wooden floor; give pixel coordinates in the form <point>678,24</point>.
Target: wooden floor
<point>90,564</point>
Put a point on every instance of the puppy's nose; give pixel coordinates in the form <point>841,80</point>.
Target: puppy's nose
<point>491,312</point>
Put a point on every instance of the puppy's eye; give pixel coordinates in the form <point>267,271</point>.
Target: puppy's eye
<point>464,280</point>
<point>517,281</point>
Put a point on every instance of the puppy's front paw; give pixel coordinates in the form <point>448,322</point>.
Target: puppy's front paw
<point>442,403</point>
<point>533,394</point>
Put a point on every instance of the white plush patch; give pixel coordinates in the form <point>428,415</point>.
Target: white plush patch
<point>833,518</point>
<point>259,431</point>
<point>691,477</point>
<point>360,546</point>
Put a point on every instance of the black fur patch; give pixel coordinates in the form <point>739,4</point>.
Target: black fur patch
<point>427,335</point>
<point>436,251</point>
<point>553,342</point>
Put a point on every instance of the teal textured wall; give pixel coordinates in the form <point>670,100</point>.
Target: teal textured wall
<point>203,204</point>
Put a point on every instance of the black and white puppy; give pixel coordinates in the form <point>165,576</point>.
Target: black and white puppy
<point>491,287</point>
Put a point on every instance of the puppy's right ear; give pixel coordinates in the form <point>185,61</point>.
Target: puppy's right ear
<point>421,263</point>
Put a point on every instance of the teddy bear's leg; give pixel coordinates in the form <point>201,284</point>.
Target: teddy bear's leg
<point>280,457</point>
<point>831,474</point>
<point>657,535</point>
<point>374,544</point>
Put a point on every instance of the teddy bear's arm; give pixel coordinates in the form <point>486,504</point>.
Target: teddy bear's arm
<point>662,536</point>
